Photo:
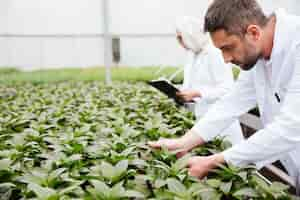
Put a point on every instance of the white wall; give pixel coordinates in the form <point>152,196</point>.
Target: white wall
<point>151,16</point>
<point>292,6</point>
<point>37,23</point>
<point>53,16</point>
<point>151,51</point>
<point>40,21</point>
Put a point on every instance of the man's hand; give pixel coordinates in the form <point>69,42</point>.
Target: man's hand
<point>182,145</point>
<point>188,95</point>
<point>171,144</point>
<point>200,166</point>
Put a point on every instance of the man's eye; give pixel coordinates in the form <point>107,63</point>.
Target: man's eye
<point>227,48</point>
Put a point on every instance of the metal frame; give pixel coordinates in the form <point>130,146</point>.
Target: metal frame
<point>254,122</point>
<point>106,36</point>
<point>92,35</point>
<point>107,42</point>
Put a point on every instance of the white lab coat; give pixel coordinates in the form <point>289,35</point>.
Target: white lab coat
<point>207,73</point>
<point>280,137</point>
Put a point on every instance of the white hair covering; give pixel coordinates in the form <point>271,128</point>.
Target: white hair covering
<point>193,36</point>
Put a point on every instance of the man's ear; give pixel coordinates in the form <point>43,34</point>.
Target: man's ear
<point>254,32</point>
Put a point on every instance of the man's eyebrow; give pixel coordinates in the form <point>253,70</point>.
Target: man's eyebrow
<point>225,46</point>
<point>222,47</point>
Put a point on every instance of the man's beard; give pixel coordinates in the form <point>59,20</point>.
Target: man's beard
<point>250,60</point>
<point>249,64</point>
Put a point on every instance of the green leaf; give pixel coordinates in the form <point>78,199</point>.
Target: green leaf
<point>18,140</point>
<point>75,157</point>
<point>134,194</point>
<point>5,164</point>
<point>7,185</point>
<point>246,192</point>
<point>56,173</point>
<point>226,187</point>
<point>279,187</point>
<point>122,166</point>
<point>42,192</point>
<point>101,188</point>
<point>36,176</point>
<point>215,183</point>
<point>107,170</point>
<point>118,191</point>
<point>6,195</point>
<point>70,188</point>
<point>159,183</point>
<point>243,175</point>
<point>139,163</point>
<point>209,194</point>
<point>176,187</point>
<point>261,183</point>
<point>181,163</point>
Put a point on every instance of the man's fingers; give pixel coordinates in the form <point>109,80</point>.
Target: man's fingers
<point>192,161</point>
<point>180,94</point>
<point>192,172</point>
<point>170,144</point>
<point>162,142</point>
<point>158,144</point>
<point>181,153</point>
<point>154,144</point>
<point>196,173</point>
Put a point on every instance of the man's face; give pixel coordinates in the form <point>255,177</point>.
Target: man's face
<point>180,40</point>
<point>243,51</point>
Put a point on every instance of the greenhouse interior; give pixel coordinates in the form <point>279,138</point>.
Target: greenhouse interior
<point>129,100</point>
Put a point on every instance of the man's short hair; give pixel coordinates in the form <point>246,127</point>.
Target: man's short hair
<point>234,16</point>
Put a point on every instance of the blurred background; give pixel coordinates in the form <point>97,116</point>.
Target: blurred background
<point>45,34</point>
<point>38,34</point>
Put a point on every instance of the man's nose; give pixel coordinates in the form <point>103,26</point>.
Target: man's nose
<point>227,58</point>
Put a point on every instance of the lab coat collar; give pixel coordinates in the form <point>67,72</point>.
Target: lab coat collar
<point>278,39</point>
<point>280,34</point>
<point>282,29</point>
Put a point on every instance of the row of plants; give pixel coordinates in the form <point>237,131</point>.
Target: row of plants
<point>88,141</point>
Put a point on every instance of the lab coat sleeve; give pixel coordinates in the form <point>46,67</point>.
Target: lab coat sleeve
<point>222,114</point>
<point>187,70</point>
<point>277,138</point>
<point>221,74</point>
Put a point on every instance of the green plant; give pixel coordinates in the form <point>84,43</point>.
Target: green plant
<point>87,141</point>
